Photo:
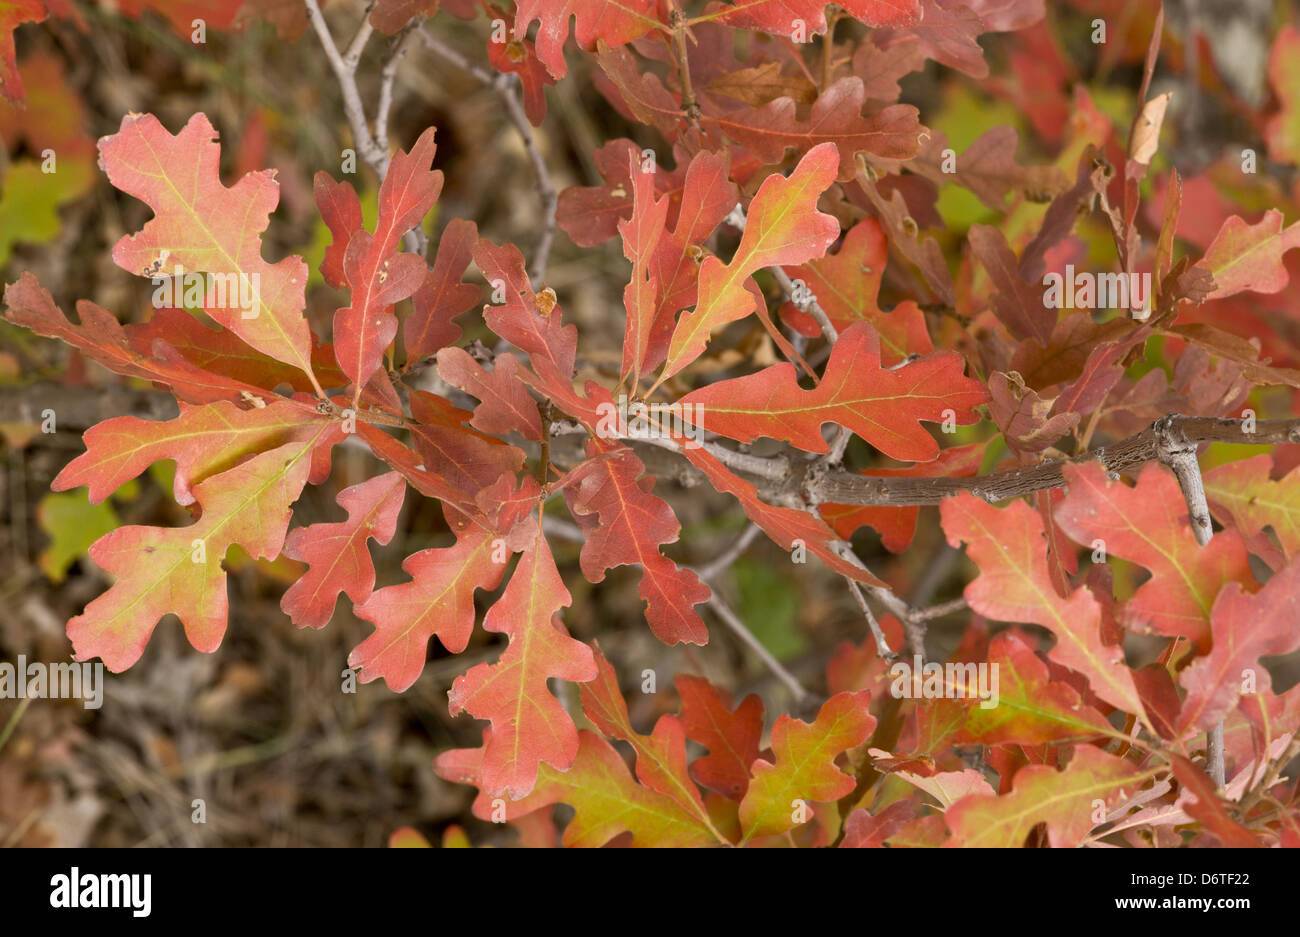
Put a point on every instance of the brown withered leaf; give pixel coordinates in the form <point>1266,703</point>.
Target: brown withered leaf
<point>880,68</point>
<point>946,34</point>
<point>836,116</point>
<point>988,168</point>
<point>763,83</point>
<point>1240,351</point>
<point>1017,304</point>
<point>1023,416</point>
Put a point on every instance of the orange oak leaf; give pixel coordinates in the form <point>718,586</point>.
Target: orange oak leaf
<point>1064,800</point>
<point>439,600</point>
<point>882,406</point>
<point>200,226</point>
<point>529,726</point>
<point>1014,585</point>
<point>731,735</point>
<point>336,553</point>
<point>707,196</point>
<point>1148,525</point>
<point>1245,628</point>
<point>783,226</point>
<point>179,570</point>
<point>606,799</point>
<point>1244,494</point>
<point>660,756</point>
<point>204,441</point>
<point>1032,708</point>
<point>846,284</point>
<point>804,768</point>
<point>609,496</point>
<point>1250,257</point>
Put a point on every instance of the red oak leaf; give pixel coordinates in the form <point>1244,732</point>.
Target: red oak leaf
<point>101,338</point>
<point>529,725</point>
<point>641,234</point>
<point>615,24</point>
<point>337,556</point>
<point>12,14</point>
<point>505,404</point>
<point>946,32</point>
<point>1201,801</point>
<point>442,296</point>
<point>469,460</point>
<point>181,14</point>
<point>378,274</point>
<point>731,736</point>
<point>519,57</point>
<point>626,524</point>
<point>882,406</point>
<point>836,118</point>
<point>783,17</point>
<point>224,353</point>
<point>389,16</point>
<point>863,830</point>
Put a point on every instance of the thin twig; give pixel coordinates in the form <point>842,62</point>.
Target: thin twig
<point>506,87</point>
<point>345,70</point>
<point>730,555</point>
<point>732,621</point>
